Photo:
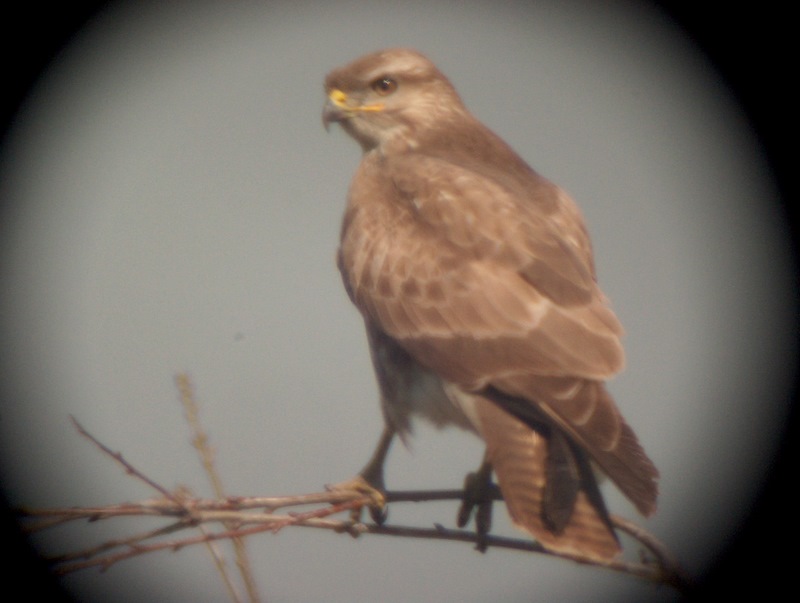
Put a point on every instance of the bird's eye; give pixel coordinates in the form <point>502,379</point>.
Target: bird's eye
<point>384,86</point>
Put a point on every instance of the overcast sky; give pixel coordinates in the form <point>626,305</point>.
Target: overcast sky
<point>174,205</point>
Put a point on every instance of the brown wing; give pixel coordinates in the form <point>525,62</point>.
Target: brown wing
<point>585,410</point>
<point>490,283</point>
<point>472,280</point>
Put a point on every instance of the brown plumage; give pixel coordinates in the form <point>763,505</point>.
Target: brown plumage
<point>475,277</point>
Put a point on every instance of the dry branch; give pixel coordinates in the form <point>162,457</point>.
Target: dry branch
<point>252,515</point>
<point>233,518</point>
<point>200,442</point>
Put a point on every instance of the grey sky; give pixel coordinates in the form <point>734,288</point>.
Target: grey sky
<point>175,205</point>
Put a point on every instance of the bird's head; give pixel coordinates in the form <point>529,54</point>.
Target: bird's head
<point>389,97</point>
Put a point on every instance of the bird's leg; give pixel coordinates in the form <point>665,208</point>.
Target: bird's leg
<point>369,480</point>
<point>372,472</point>
<point>479,493</point>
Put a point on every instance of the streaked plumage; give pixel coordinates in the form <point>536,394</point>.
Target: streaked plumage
<point>476,281</point>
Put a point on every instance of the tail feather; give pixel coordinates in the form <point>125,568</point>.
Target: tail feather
<point>585,411</point>
<point>519,456</point>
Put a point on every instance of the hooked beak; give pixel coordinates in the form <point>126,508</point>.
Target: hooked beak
<point>331,113</point>
<point>335,109</point>
<point>338,109</point>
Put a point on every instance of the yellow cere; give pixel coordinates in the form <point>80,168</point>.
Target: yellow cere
<point>339,98</point>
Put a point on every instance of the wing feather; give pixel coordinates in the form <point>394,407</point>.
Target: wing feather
<point>472,301</point>
<point>519,456</point>
<point>489,283</point>
<point>585,410</point>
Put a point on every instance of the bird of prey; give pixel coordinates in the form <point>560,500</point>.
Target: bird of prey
<point>476,281</point>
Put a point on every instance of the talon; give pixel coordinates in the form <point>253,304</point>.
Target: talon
<point>369,481</point>
<point>468,501</point>
<point>483,524</point>
<point>479,493</point>
<point>359,486</point>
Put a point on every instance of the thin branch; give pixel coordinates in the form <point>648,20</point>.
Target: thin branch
<point>240,511</point>
<point>673,573</point>
<point>200,442</point>
<point>117,456</point>
<point>131,541</point>
<point>242,516</point>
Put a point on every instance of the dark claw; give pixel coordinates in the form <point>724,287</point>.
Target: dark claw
<point>483,524</point>
<point>468,501</point>
<point>379,514</point>
<point>479,493</point>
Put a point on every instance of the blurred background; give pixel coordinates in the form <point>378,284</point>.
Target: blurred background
<point>170,202</point>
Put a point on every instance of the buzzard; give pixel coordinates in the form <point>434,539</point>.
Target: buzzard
<point>476,282</point>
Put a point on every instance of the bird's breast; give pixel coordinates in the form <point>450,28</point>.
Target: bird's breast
<point>410,390</point>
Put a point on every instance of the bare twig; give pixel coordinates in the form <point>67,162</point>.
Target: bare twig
<point>673,574</point>
<point>249,522</point>
<point>201,444</point>
<point>129,469</point>
<point>242,516</point>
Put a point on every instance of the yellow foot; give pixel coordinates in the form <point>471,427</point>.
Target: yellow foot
<point>361,487</point>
